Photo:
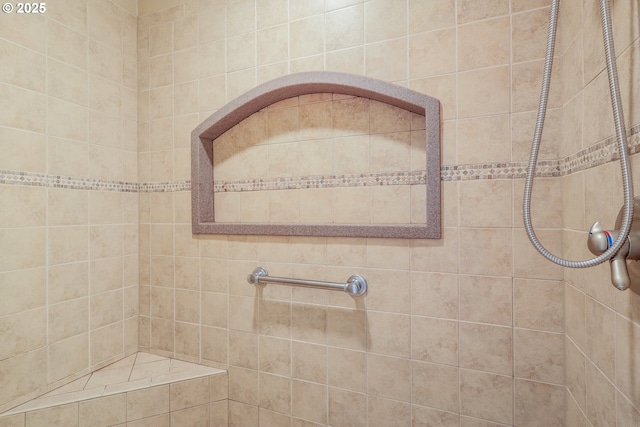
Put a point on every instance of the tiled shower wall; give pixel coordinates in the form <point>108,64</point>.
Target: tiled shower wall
<point>68,239</point>
<point>467,330</point>
<point>602,324</point>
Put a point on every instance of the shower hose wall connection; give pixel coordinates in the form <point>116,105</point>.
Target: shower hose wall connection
<point>617,245</point>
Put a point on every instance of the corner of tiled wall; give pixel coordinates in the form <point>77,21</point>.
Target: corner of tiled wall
<point>69,270</point>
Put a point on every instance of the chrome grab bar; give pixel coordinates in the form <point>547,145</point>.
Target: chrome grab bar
<point>355,286</point>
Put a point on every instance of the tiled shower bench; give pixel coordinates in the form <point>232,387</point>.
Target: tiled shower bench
<point>142,390</point>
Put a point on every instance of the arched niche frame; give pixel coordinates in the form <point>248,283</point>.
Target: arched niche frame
<point>202,171</point>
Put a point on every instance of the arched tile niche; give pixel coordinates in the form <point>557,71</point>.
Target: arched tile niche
<point>237,152</point>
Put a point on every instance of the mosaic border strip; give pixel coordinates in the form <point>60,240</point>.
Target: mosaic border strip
<point>60,181</point>
<point>323,181</point>
<point>596,155</point>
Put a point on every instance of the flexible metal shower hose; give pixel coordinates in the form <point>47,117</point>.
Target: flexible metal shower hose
<point>621,137</point>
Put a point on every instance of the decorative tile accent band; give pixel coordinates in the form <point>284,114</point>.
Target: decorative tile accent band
<point>59,181</point>
<point>596,155</point>
<point>323,181</point>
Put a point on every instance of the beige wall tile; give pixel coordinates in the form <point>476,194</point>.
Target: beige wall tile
<point>626,358</point>
<point>22,290</point>
<point>575,378</point>
<point>103,24</point>
<point>347,408</point>
<point>240,52</point>
<point>538,304</point>
<point>272,44</point>
<point>196,416</point>
<point>384,412</point>
<point>388,333</point>
<point>484,92</point>
<point>243,349</point>
<point>626,413</point>
<point>347,369</point>
<point>275,393</point>
<point>546,204</point>
<point>483,44</point>
<point>486,348</point>
<point>432,53</point>
<point>486,299</point>
<point>386,60</point>
<point>391,205</point>
<point>214,344</point>
<point>187,341</point>
<point>244,385</point>
<point>148,402</point>
<point>539,355</point>
<point>66,45</point>
<point>538,403</point>
<point>22,248</point>
<point>384,20</point>
<point>427,15</point>
<point>240,17</point>
<point>468,10</point>
<point>103,411</point>
<point>434,340</point>
<point>105,275</point>
<point>306,36</point>
<point>190,393</point>
<point>601,408</point>
<point>528,263</point>
<point>435,386</point>
<point>58,416</point>
<point>275,355</point>
<point>486,251</point>
<point>28,70</point>
<point>309,401</point>
<point>442,257</point>
<point>526,78</point>
<point>105,61</point>
<point>67,357</point>
<point>275,318</point>
<point>28,155</point>
<point>68,319</point>
<point>27,372</point>
<point>492,133</point>
<point>384,297</point>
<point>574,416</point>
<point>346,328</point>
<point>308,323</point>
<point>22,109</point>
<point>268,418</point>
<point>157,421</point>
<point>600,332</point>
<point>105,163</point>
<point>485,203</point>
<point>529,34</point>
<point>107,344</point>
<point>105,309</point>
<point>434,294</point>
<point>423,416</point>
<point>241,413</point>
<point>344,27</point>
<point>30,32</point>
<point>486,396</point>
<point>24,331</point>
<point>28,206</point>
<point>269,13</point>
